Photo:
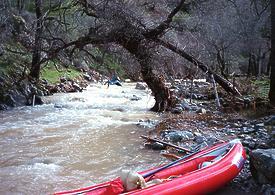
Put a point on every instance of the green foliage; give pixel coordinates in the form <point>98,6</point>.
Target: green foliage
<point>110,64</point>
<point>262,87</point>
<point>52,75</point>
<point>15,59</point>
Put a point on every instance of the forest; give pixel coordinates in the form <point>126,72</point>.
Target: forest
<point>208,64</point>
<point>152,41</point>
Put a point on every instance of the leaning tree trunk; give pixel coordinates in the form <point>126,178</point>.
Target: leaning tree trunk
<point>142,50</point>
<point>157,85</point>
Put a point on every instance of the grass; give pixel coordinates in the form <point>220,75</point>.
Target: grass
<point>262,88</point>
<point>53,76</point>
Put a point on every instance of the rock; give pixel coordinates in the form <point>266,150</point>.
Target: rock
<point>262,165</point>
<point>185,106</point>
<point>87,77</point>
<point>63,79</point>
<point>146,123</point>
<point>9,100</point>
<point>77,87</point>
<point>81,65</point>
<point>270,121</point>
<point>155,146</point>
<point>3,107</point>
<point>53,89</point>
<point>194,108</point>
<point>248,130</point>
<point>271,142</point>
<point>58,106</point>
<point>200,139</point>
<point>177,110</point>
<point>141,86</point>
<point>38,101</point>
<point>2,80</point>
<point>268,190</point>
<point>135,98</point>
<point>177,135</point>
<point>127,80</point>
<point>248,143</point>
<point>18,98</point>
<point>201,111</point>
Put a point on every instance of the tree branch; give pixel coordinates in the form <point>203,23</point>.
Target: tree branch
<point>79,44</point>
<point>226,85</point>
<point>154,33</point>
<point>88,8</point>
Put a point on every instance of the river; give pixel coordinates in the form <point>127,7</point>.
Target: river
<point>74,140</point>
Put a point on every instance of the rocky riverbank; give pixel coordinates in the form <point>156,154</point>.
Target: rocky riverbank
<point>195,131</point>
<point>196,123</point>
<point>25,92</point>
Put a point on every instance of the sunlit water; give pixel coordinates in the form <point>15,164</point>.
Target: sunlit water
<point>74,140</point>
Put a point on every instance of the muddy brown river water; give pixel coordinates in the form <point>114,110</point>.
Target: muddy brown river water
<point>74,140</point>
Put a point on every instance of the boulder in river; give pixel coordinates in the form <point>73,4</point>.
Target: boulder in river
<point>141,86</point>
<point>135,98</point>
<point>262,165</point>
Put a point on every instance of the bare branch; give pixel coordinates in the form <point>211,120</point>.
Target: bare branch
<point>222,82</point>
<point>166,23</point>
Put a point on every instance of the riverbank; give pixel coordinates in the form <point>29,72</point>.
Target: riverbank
<point>194,131</point>
<point>16,92</point>
<point>196,123</point>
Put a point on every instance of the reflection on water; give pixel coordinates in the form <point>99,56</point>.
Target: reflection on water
<point>73,141</point>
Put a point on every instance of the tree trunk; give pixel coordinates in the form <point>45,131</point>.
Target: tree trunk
<point>142,49</point>
<point>268,68</point>
<point>20,5</point>
<point>36,54</point>
<point>157,85</point>
<point>221,62</point>
<point>272,58</point>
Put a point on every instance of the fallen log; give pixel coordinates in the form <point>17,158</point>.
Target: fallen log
<point>225,84</point>
<point>170,156</point>
<point>165,143</point>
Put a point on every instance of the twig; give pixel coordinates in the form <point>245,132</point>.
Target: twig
<point>165,143</point>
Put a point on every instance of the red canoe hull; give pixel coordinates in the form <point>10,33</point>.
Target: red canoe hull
<point>190,180</point>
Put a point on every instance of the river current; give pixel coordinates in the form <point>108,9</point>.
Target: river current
<point>75,140</point>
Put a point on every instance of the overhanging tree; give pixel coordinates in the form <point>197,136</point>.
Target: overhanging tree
<point>116,23</point>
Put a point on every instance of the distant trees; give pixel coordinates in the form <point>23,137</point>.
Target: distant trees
<point>233,35</point>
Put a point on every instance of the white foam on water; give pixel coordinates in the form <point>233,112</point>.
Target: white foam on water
<point>90,135</point>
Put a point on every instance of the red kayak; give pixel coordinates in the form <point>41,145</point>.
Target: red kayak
<point>198,173</point>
